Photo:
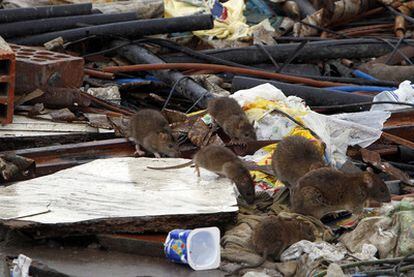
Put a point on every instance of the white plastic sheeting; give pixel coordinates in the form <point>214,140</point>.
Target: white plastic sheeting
<point>337,131</point>
<point>404,93</point>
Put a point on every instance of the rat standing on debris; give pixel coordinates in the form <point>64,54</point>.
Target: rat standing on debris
<point>230,116</point>
<point>222,161</point>
<point>275,234</point>
<point>149,129</point>
<point>327,190</point>
<point>294,157</point>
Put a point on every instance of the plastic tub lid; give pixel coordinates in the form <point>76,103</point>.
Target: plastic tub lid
<point>203,246</point>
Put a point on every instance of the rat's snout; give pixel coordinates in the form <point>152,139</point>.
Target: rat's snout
<point>383,195</point>
<point>247,191</point>
<point>250,198</point>
<point>173,153</point>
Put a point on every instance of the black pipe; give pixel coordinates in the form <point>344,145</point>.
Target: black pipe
<point>312,51</point>
<point>134,28</point>
<point>186,87</point>
<point>312,96</point>
<point>40,26</point>
<point>356,81</point>
<point>21,14</point>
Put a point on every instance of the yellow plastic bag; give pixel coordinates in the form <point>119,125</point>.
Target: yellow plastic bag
<point>233,27</point>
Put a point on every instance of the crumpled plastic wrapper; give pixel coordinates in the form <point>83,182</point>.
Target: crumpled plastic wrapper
<point>404,93</point>
<point>110,94</point>
<point>335,270</point>
<point>230,21</point>
<point>392,234</point>
<point>377,231</point>
<point>315,251</point>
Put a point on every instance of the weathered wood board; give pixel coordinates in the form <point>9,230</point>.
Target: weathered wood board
<point>118,195</point>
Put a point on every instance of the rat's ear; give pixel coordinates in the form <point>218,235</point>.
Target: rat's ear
<point>368,179</point>
<point>369,169</point>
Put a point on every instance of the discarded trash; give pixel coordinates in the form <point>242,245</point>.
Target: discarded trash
<point>335,73</point>
<point>316,250</point>
<point>404,93</point>
<point>199,248</point>
<point>21,266</point>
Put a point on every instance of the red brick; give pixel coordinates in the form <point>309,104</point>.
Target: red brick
<point>7,82</point>
<point>35,66</point>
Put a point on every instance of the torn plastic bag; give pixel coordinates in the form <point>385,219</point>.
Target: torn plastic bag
<point>404,93</point>
<point>315,251</point>
<point>337,131</point>
<point>392,234</point>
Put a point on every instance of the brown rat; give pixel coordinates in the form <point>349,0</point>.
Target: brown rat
<point>326,190</point>
<point>149,129</point>
<point>275,234</point>
<point>224,162</point>
<point>294,157</point>
<point>231,118</point>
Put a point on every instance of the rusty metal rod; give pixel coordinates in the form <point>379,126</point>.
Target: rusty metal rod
<point>107,105</point>
<point>397,140</point>
<point>99,74</point>
<point>221,68</point>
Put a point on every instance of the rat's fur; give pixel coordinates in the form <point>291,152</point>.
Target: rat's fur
<point>275,234</point>
<point>230,116</point>
<point>294,157</point>
<point>149,129</point>
<point>326,190</point>
<point>224,162</point>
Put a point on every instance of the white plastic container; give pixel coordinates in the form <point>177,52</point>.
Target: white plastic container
<point>199,248</point>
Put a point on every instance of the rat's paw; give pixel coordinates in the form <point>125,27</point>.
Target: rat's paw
<point>139,153</point>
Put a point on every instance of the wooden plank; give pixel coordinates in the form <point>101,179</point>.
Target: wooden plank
<point>29,127</point>
<point>118,195</point>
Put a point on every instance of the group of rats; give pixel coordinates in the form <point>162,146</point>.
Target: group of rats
<point>316,189</point>
<point>149,129</point>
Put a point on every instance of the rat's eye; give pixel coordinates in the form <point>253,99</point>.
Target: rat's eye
<point>170,146</point>
<point>246,135</point>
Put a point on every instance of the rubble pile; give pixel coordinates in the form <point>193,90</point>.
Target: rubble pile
<point>296,116</point>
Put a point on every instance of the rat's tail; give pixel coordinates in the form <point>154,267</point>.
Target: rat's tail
<point>172,167</point>
<point>259,263</point>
